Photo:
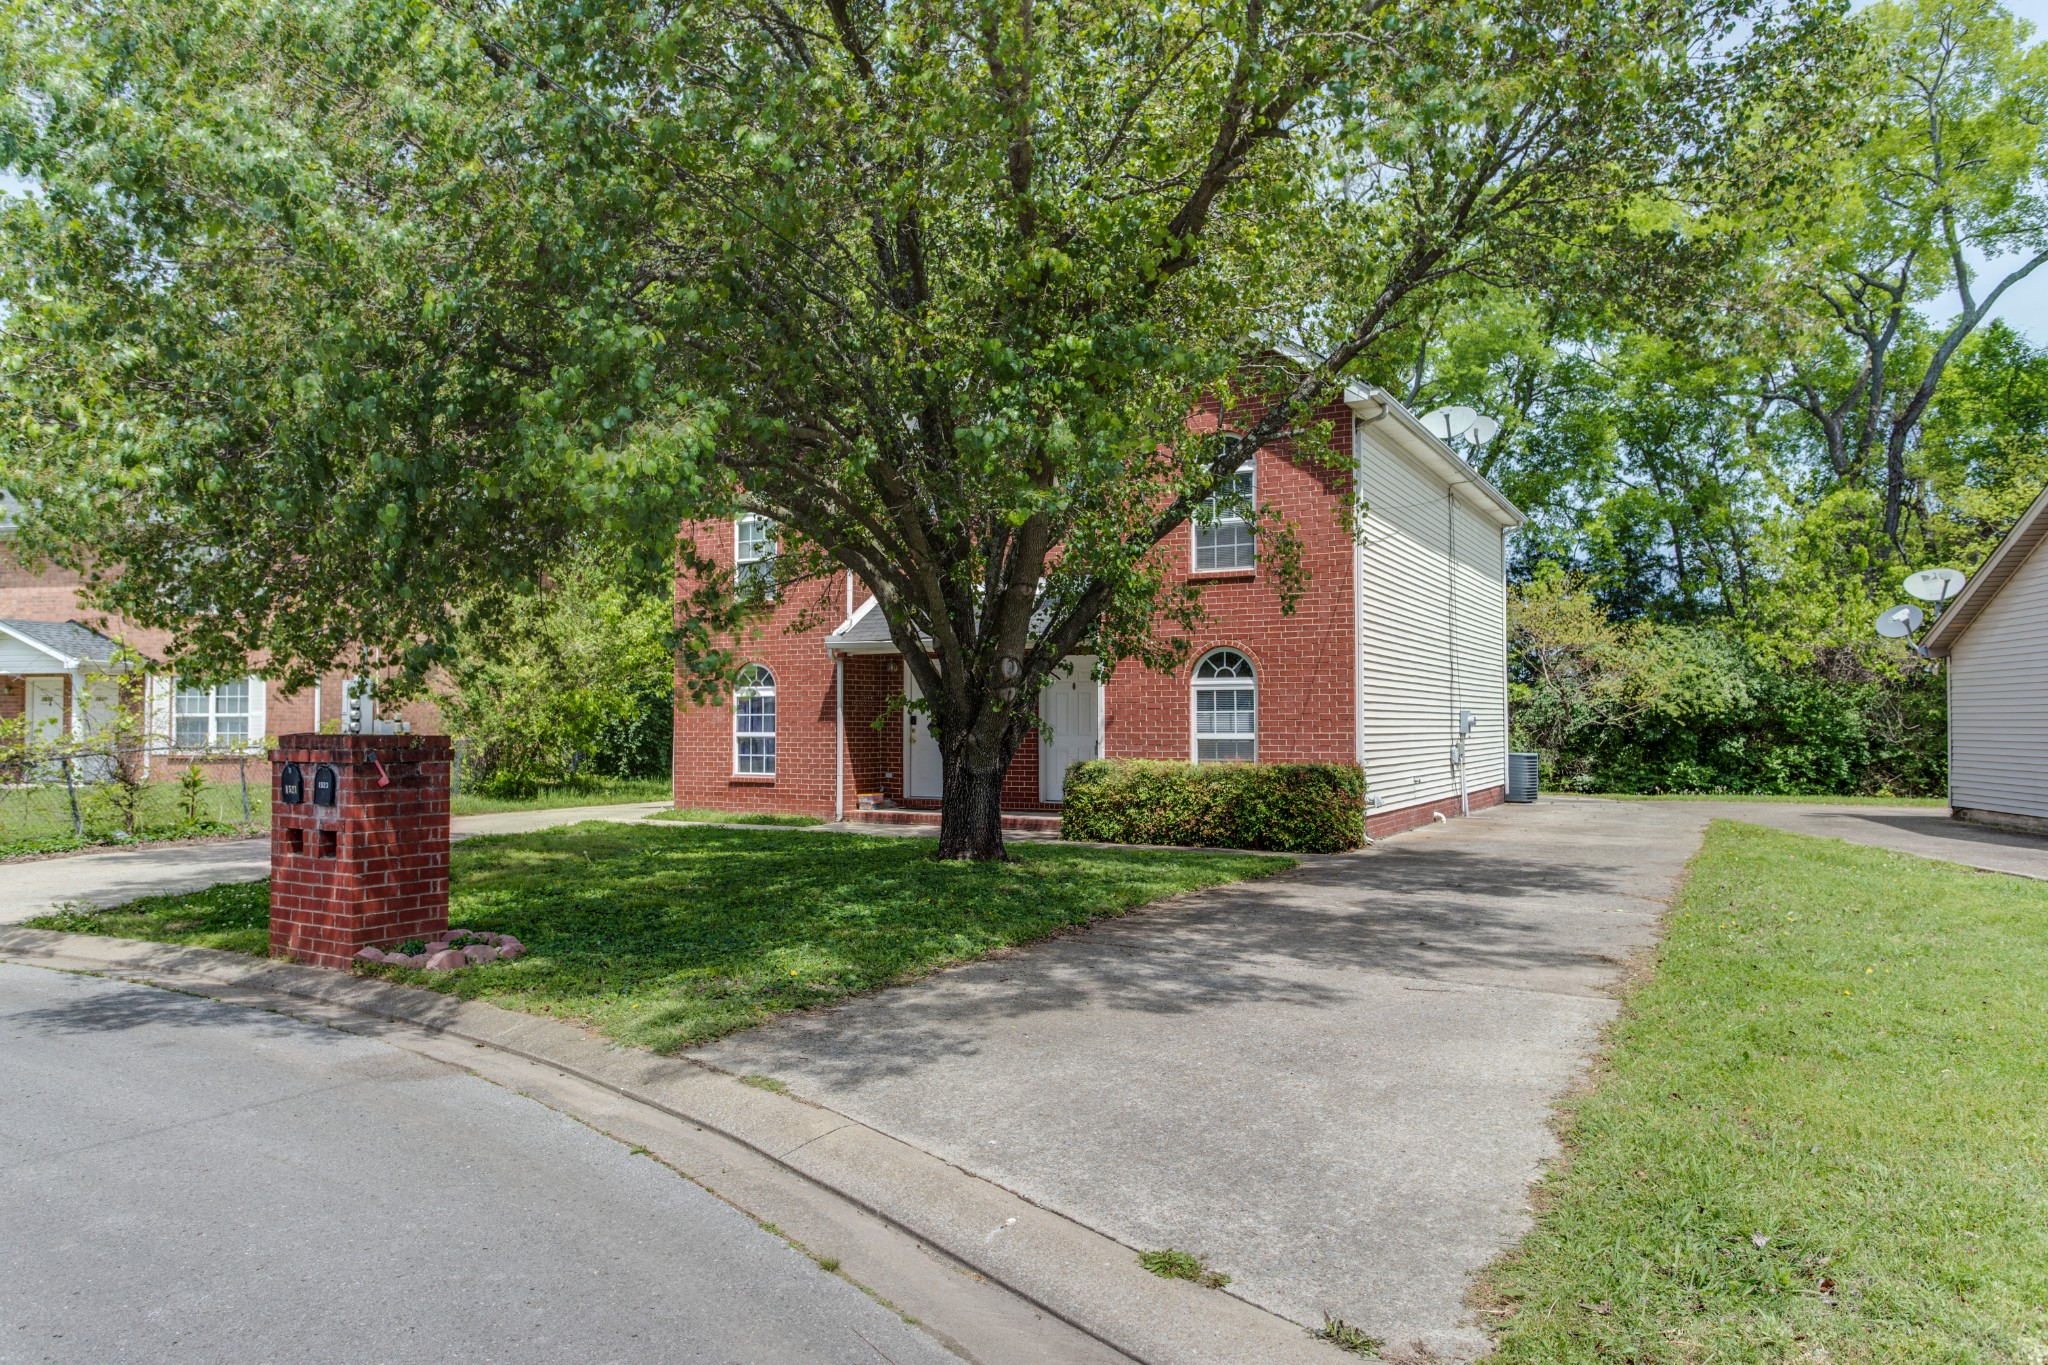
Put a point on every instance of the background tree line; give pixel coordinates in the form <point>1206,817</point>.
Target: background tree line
<point>1726,487</point>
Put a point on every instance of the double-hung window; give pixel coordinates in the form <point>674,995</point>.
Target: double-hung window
<point>753,723</point>
<point>202,717</point>
<point>754,559</point>
<point>1226,709</point>
<point>1223,535</point>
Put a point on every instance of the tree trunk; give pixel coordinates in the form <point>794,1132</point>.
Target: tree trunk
<point>971,809</point>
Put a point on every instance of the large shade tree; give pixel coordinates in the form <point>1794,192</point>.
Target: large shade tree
<point>332,323</point>
<point>1938,211</point>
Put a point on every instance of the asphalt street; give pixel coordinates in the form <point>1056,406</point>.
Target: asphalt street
<point>183,1180</point>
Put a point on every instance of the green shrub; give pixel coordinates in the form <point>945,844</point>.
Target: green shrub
<point>1281,807</point>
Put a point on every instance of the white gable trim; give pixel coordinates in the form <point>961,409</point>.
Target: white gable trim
<point>64,661</point>
<point>1379,412</point>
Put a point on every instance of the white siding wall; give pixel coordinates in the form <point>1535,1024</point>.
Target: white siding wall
<point>16,657</point>
<point>1432,632</point>
<point>1998,700</point>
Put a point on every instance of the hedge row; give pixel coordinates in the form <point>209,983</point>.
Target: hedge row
<point>1282,807</point>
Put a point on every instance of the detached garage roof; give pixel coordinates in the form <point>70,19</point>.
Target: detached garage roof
<point>2005,561</point>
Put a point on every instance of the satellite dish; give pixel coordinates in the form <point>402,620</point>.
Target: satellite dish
<point>1483,430</point>
<point>1895,623</point>
<point>1935,585</point>
<point>1445,423</point>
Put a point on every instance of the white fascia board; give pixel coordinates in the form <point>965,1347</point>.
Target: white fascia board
<point>65,662</point>
<point>1376,408</point>
<point>858,612</point>
<point>836,642</point>
<point>2004,560</point>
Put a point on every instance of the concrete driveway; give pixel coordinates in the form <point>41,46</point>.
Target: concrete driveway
<point>1925,831</point>
<point>36,887</point>
<point>182,1180</point>
<point>1335,1084</point>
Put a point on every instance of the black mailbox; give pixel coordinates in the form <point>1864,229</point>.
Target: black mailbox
<point>291,785</point>
<point>323,785</point>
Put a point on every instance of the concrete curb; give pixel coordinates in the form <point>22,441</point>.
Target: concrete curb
<point>1080,1276</point>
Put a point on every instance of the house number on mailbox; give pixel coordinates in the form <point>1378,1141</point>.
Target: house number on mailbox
<point>323,785</point>
<point>291,786</point>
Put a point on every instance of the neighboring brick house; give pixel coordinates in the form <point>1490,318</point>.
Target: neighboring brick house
<point>55,651</point>
<point>1392,641</point>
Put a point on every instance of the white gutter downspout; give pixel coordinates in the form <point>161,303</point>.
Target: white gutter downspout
<point>839,732</point>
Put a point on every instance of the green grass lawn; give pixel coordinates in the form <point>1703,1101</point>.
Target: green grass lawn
<point>1791,800</point>
<point>664,936</point>
<point>700,816</point>
<point>603,791</point>
<point>38,819</point>
<point>1822,1130</point>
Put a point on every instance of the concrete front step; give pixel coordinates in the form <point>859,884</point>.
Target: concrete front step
<point>1015,821</point>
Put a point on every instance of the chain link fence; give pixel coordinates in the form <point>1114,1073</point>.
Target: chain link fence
<point>65,793</point>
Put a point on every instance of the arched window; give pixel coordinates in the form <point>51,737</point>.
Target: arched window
<point>753,723</point>
<point>1226,709</point>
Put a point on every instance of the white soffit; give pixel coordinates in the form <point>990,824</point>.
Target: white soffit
<point>1378,411</point>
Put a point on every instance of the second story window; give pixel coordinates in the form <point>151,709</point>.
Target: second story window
<point>1223,537</point>
<point>754,560</point>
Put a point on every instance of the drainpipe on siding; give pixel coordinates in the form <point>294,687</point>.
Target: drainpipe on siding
<point>839,745</point>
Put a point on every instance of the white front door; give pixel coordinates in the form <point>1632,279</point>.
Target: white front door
<point>46,708</point>
<point>1069,706</point>
<point>924,769</point>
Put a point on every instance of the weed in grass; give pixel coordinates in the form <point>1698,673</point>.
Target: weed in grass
<point>1182,1265</point>
<point>766,1083</point>
<point>1345,1337</point>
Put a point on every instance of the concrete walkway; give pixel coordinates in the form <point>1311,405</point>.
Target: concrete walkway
<point>1335,1084</point>
<point>36,887</point>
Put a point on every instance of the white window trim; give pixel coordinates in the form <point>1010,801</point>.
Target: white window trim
<point>740,562</point>
<point>775,721</point>
<point>1196,527</point>
<point>254,718</point>
<point>1198,685</point>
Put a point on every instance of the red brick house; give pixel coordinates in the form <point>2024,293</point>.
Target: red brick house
<point>57,668</point>
<point>1394,641</point>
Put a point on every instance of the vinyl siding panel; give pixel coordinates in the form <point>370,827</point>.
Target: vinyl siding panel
<point>1998,700</point>
<point>1432,632</point>
<point>16,657</point>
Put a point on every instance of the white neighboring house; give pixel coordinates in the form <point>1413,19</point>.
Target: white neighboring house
<point>1995,638</point>
<point>59,675</point>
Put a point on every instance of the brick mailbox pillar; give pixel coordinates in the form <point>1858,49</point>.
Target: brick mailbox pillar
<point>356,862</point>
